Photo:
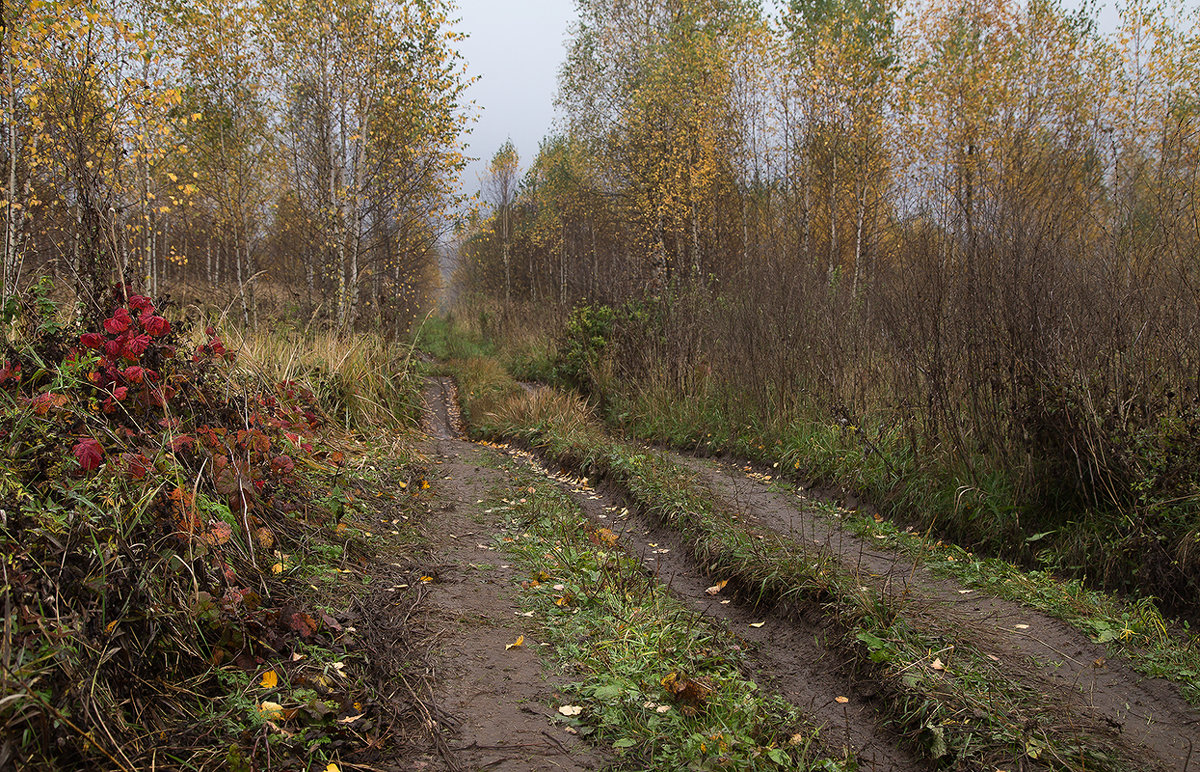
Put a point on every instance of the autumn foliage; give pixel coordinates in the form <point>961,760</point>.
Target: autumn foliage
<point>163,488</point>
<point>944,252</point>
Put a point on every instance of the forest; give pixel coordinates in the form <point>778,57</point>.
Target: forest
<point>944,253</point>
<point>822,395</point>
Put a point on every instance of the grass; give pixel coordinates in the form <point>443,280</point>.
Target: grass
<point>1136,630</point>
<point>658,684</point>
<point>363,381</point>
<point>968,712</point>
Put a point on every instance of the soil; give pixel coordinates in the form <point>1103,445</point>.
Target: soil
<point>490,707</point>
<point>1097,691</point>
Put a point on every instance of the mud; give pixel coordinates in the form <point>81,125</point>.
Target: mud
<point>1144,713</point>
<point>500,702</point>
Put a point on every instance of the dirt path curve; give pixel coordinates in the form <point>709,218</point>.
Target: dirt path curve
<point>499,700</point>
<point>1145,713</point>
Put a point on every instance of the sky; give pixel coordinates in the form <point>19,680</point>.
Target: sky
<point>515,48</point>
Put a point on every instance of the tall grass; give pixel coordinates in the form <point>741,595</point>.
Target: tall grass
<point>364,381</point>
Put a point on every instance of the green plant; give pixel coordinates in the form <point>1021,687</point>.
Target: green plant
<point>586,336</point>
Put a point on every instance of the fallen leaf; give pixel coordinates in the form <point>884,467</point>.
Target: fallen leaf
<point>303,624</point>
<point>270,680</point>
<point>570,710</point>
<point>1021,627</point>
<point>757,624</point>
<point>271,710</point>
<point>842,700</point>
<point>937,665</point>
<point>333,768</point>
<point>350,719</point>
<point>519,642</point>
<point>716,588</point>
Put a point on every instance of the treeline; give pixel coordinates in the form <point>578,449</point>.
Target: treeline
<point>965,231</point>
<point>294,156</point>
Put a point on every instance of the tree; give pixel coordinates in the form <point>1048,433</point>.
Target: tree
<point>501,189</point>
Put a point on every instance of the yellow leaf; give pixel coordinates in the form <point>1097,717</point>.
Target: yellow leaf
<point>519,642</point>
<point>842,700</point>
<point>277,568</point>
<point>716,588</point>
<point>269,680</point>
<point>271,710</point>
<point>570,710</point>
<point>757,624</point>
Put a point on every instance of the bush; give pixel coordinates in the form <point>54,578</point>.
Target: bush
<point>585,338</point>
<point>147,496</point>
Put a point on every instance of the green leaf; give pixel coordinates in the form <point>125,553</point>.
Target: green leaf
<point>608,692</point>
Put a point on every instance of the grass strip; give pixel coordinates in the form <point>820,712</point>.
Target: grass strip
<point>661,686</point>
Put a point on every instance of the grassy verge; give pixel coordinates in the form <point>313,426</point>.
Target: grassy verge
<point>1135,630</point>
<point>957,705</point>
<point>659,685</point>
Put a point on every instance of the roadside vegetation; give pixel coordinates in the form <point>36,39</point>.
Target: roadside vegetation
<point>954,702</point>
<point>179,527</point>
<point>940,255</point>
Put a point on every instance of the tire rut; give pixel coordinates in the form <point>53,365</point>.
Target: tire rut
<point>1100,692</point>
<point>793,657</point>
<point>495,700</point>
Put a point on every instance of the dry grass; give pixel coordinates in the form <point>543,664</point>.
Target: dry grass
<point>364,381</point>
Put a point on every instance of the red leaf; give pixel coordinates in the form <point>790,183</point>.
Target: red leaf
<point>135,347</point>
<point>92,340</point>
<point>44,403</point>
<point>156,325</point>
<point>10,372</point>
<point>303,624</point>
<point>181,442</point>
<point>134,374</point>
<point>141,304</point>
<point>119,322</point>
<point>282,465</point>
<point>136,465</point>
<point>89,453</point>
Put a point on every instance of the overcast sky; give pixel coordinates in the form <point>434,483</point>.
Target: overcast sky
<point>515,48</point>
